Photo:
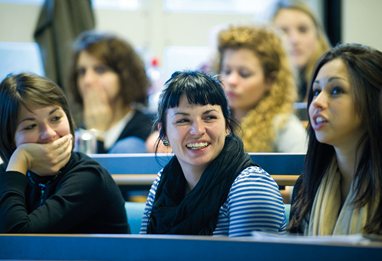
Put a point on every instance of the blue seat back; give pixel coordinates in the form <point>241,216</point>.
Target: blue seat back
<point>134,211</point>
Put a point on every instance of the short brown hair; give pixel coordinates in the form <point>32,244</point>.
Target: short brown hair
<point>117,54</point>
<point>18,90</point>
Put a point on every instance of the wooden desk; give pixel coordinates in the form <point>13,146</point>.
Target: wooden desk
<point>141,169</point>
<point>152,247</point>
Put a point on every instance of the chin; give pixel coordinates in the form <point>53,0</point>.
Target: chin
<point>200,161</point>
<point>324,140</point>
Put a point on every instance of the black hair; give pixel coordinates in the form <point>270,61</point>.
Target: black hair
<point>199,88</point>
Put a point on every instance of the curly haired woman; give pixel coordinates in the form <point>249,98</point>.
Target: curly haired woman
<point>261,90</point>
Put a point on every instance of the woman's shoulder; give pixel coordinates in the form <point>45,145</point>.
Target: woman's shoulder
<point>253,171</point>
<point>82,163</point>
<point>144,114</point>
<point>140,125</point>
<point>79,158</point>
<point>88,174</point>
<point>253,176</point>
<point>154,185</point>
<point>286,120</point>
<point>291,135</point>
<point>254,185</point>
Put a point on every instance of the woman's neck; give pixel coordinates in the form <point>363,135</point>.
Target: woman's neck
<point>192,176</point>
<point>347,162</point>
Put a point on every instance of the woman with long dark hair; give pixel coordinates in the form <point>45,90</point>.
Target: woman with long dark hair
<point>341,189</point>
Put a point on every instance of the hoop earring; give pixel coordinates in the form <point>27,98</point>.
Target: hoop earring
<point>165,142</point>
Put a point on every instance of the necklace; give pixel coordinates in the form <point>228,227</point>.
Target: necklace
<point>42,186</point>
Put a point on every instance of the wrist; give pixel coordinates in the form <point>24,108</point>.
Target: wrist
<point>18,162</point>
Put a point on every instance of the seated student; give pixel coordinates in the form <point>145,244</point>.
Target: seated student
<point>260,89</point>
<point>210,186</point>
<point>109,84</point>
<point>340,191</point>
<point>306,39</point>
<point>44,186</point>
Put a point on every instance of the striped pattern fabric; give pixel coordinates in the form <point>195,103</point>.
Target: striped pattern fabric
<point>254,203</point>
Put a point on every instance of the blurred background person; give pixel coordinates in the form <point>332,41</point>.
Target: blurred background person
<point>340,191</point>
<point>108,82</point>
<point>260,87</point>
<point>306,39</point>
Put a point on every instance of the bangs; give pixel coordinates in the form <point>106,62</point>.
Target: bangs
<point>42,94</point>
<point>197,91</point>
<point>199,88</point>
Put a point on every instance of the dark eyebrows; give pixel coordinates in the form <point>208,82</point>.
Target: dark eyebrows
<point>32,118</point>
<point>181,113</point>
<point>334,78</point>
<point>54,110</point>
<point>209,111</point>
<point>188,114</point>
<point>26,119</point>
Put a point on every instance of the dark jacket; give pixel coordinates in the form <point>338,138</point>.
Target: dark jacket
<point>82,198</point>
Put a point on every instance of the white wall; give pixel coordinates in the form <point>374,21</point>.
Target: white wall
<point>153,29</point>
<point>17,22</point>
<point>362,21</point>
<point>150,29</point>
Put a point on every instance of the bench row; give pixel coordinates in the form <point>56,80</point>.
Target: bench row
<point>162,247</point>
<point>141,169</point>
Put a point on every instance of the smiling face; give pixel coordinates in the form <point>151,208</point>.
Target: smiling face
<point>41,124</point>
<point>301,33</point>
<point>196,134</point>
<point>94,76</point>
<point>332,111</point>
<point>243,79</point>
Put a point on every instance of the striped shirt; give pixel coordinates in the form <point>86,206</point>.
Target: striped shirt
<point>254,203</point>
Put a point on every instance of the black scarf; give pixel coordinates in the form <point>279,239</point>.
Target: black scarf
<point>196,213</point>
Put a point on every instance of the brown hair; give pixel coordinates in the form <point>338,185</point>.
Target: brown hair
<point>120,56</point>
<point>20,90</point>
<point>364,66</point>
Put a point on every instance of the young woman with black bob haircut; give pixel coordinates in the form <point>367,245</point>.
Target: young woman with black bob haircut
<point>210,186</point>
<point>341,189</point>
<point>44,186</point>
